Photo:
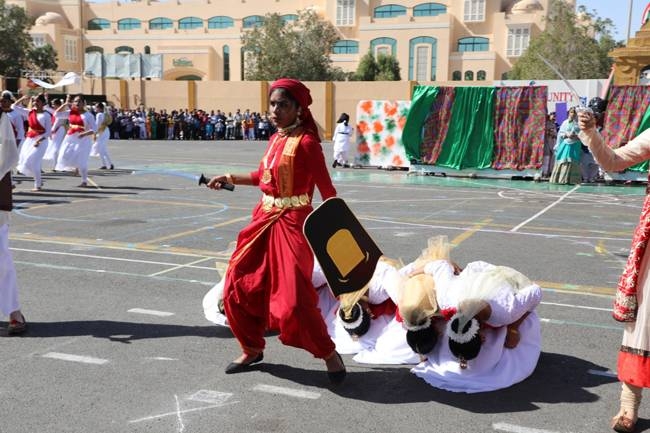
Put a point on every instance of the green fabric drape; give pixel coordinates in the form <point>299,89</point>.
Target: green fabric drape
<point>470,139</point>
<point>645,124</point>
<point>423,97</point>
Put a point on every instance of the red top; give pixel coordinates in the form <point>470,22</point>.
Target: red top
<point>35,128</point>
<point>76,122</point>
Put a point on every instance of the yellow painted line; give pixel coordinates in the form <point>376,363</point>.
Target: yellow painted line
<point>167,203</point>
<point>93,183</point>
<point>577,288</point>
<point>468,233</point>
<point>600,248</point>
<point>189,232</point>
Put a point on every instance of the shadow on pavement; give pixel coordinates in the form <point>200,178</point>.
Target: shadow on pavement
<point>557,379</point>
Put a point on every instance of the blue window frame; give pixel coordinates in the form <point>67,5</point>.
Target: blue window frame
<point>429,10</point>
<point>124,49</point>
<point>345,47</point>
<point>413,57</point>
<point>189,23</point>
<point>160,24</point>
<point>252,21</point>
<point>128,24</point>
<point>473,44</point>
<point>220,22</point>
<point>384,41</point>
<point>99,24</point>
<point>289,17</point>
<point>389,11</point>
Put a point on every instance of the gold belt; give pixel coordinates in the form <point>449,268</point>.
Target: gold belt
<point>295,201</point>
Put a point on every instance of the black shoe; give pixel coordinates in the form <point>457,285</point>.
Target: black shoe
<point>103,167</point>
<point>337,377</point>
<point>237,367</point>
<point>111,167</point>
<point>335,164</point>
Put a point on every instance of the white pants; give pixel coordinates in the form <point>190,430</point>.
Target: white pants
<point>8,284</point>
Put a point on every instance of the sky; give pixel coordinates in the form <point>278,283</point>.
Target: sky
<point>618,11</point>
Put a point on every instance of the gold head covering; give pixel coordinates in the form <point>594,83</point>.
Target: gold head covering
<point>418,301</point>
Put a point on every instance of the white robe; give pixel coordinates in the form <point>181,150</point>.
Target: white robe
<point>8,284</point>
<point>496,366</point>
<point>31,155</point>
<point>385,341</point>
<point>75,150</point>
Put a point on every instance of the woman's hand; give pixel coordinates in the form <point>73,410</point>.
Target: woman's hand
<point>586,120</point>
<point>217,182</point>
<point>512,337</point>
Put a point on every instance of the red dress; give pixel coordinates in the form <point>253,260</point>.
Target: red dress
<point>268,282</point>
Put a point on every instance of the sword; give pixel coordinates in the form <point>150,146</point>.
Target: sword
<point>580,107</point>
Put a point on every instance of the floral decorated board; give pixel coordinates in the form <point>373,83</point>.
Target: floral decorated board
<point>379,133</point>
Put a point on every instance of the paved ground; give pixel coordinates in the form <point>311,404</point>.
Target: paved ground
<point>112,279</point>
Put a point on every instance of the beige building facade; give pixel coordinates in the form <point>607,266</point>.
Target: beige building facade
<point>443,40</point>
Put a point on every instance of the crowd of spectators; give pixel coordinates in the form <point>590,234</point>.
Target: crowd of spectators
<point>184,124</point>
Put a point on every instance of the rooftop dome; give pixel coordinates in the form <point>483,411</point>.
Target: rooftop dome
<point>526,6</point>
<point>50,18</point>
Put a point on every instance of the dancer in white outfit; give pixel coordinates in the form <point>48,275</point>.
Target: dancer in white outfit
<point>383,336</point>
<point>58,133</point>
<point>33,148</point>
<point>341,139</point>
<point>77,143</point>
<point>100,146</point>
<point>9,304</point>
<point>493,340</point>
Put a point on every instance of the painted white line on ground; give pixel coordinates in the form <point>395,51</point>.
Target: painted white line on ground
<point>163,415</point>
<point>75,358</point>
<point>576,306</point>
<point>502,426</point>
<point>556,202</point>
<point>189,265</point>
<point>287,391</point>
<point>150,312</point>
<point>586,325</point>
<point>210,396</point>
<point>181,425</point>
<point>119,259</point>
<point>603,373</point>
<point>161,358</point>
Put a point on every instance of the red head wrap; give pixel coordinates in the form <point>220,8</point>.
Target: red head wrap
<point>300,93</point>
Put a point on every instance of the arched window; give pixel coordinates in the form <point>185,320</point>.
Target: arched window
<point>385,46</point>
<point>429,10</point>
<point>160,24</point>
<point>188,78</point>
<point>423,58</point>
<point>124,49</point>
<point>456,76</point>
<point>128,24</point>
<point>220,22</point>
<point>226,63</point>
<point>252,21</point>
<point>481,75</point>
<point>289,17</point>
<point>99,24</point>
<point>94,49</point>
<point>147,49</point>
<point>189,23</point>
<point>389,11</point>
<point>345,47</point>
<point>473,44</point>
<point>469,76</point>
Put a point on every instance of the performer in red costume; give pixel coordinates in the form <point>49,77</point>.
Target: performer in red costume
<point>268,282</point>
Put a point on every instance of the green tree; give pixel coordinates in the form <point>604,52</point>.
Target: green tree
<point>367,69</point>
<point>17,50</point>
<point>388,67</point>
<point>298,49</point>
<point>577,45</point>
<point>43,58</point>
<point>384,68</point>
